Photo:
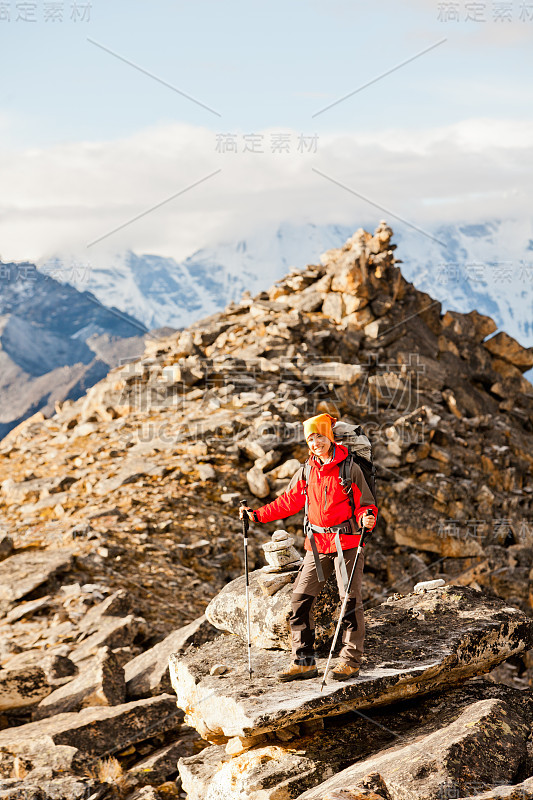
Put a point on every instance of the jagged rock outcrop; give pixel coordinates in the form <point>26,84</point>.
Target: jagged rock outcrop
<point>485,744</point>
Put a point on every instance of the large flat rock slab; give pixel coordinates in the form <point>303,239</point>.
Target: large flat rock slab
<point>415,644</point>
<point>482,747</point>
<point>72,740</point>
<point>452,762</point>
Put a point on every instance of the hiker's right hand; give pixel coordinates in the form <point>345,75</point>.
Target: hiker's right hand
<point>250,512</point>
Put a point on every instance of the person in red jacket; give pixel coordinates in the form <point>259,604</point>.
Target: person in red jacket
<point>329,512</point>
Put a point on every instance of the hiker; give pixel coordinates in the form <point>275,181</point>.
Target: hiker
<point>329,512</point>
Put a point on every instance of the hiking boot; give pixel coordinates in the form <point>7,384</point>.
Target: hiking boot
<point>298,672</point>
<point>342,672</point>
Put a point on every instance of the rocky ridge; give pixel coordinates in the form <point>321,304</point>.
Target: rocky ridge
<point>119,520</point>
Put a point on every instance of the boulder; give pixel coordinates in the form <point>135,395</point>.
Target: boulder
<point>257,482</point>
<point>287,766</point>
<point>483,325</point>
<point>484,745</point>
<point>206,472</point>
<point>270,606</point>
<point>74,740</point>
<point>147,674</point>
<point>450,541</point>
<point>101,684</point>
<point>22,687</point>
<point>415,644</point>
<point>22,573</point>
<point>285,470</point>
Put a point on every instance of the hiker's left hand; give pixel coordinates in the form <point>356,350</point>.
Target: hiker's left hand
<point>368,521</point>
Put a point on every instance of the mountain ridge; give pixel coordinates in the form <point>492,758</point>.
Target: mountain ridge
<point>483,265</point>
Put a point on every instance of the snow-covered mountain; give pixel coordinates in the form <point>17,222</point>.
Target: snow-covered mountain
<point>55,342</point>
<point>487,266</point>
<point>163,292</point>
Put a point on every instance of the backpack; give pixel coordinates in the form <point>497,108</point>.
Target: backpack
<point>360,451</point>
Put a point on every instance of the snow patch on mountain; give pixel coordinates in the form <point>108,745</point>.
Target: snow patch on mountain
<point>487,266</point>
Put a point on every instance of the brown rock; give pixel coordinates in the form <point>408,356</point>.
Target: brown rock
<point>504,346</point>
<point>257,482</point>
<point>74,740</point>
<point>448,757</point>
<point>101,684</point>
<point>22,687</point>
<point>449,540</point>
<point>269,609</point>
<point>114,632</point>
<point>273,768</point>
<point>483,325</point>
<point>148,672</point>
<point>21,573</point>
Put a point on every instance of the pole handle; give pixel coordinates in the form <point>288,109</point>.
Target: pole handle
<point>245,520</point>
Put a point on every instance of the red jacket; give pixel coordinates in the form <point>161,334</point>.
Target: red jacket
<point>328,503</point>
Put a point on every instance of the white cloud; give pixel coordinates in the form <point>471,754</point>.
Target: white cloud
<point>60,198</point>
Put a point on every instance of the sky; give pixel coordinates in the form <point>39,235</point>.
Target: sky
<point>167,126</point>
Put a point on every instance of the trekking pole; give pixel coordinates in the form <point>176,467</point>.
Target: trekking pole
<point>245,524</point>
<point>343,608</point>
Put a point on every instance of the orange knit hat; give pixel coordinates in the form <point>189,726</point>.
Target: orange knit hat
<point>320,424</point>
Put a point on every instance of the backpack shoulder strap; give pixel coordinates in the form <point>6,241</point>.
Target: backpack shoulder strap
<point>345,478</point>
<point>306,474</point>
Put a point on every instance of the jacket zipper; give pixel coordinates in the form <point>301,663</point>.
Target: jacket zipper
<point>325,496</point>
